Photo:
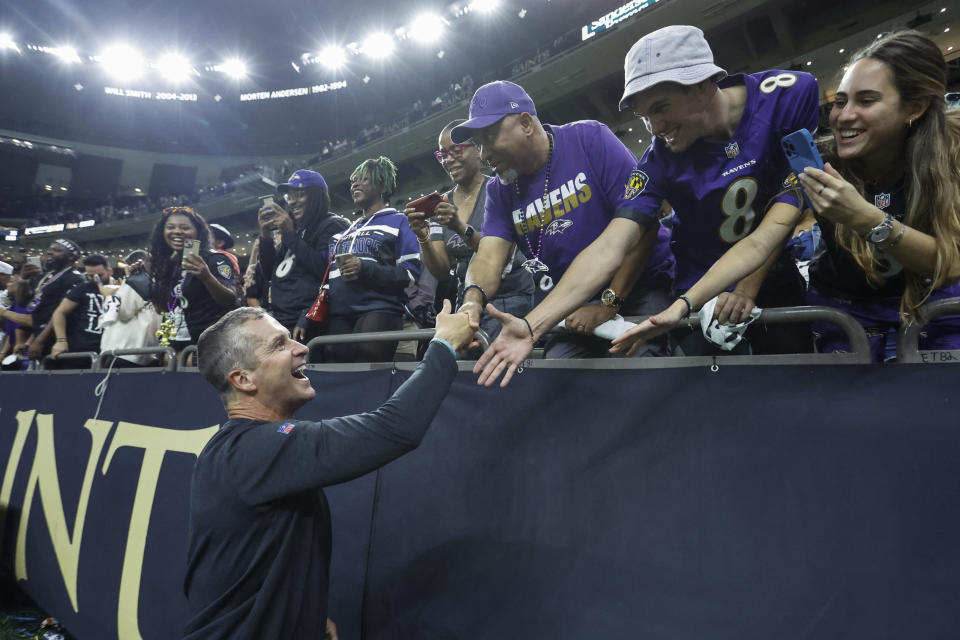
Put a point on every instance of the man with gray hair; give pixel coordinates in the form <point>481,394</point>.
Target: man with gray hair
<point>259,554</point>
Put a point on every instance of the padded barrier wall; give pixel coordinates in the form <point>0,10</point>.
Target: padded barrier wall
<point>751,502</point>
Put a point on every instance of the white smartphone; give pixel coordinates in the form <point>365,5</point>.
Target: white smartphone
<point>190,248</point>
<point>35,261</point>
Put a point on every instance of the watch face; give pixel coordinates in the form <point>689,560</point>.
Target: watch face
<point>607,297</point>
<point>882,232</point>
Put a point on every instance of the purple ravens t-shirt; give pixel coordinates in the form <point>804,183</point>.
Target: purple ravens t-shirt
<point>720,189</point>
<point>588,171</point>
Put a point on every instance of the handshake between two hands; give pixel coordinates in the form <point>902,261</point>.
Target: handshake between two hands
<point>456,328</point>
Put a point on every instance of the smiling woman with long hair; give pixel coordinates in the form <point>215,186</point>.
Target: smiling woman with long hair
<point>194,291</point>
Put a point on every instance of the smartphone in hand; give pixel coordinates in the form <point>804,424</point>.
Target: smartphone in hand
<point>190,248</point>
<point>801,152</point>
<point>427,204</point>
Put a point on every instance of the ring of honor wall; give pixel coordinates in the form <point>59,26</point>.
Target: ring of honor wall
<point>751,502</point>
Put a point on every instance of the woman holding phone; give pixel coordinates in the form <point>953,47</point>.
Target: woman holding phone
<point>376,259</point>
<point>450,238</point>
<point>193,286</point>
<point>888,203</point>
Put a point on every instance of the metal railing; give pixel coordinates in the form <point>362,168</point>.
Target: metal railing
<point>183,355</point>
<point>169,352</point>
<point>92,356</point>
<point>908,338</point>
<point>385,336</point>
<point>859,344</point>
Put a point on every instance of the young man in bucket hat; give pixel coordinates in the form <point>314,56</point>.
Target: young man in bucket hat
<point>716,159</point>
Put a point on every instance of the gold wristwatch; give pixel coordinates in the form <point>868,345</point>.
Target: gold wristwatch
<point>609,298</point>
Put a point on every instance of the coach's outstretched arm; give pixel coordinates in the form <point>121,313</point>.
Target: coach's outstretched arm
<point>588,273</point>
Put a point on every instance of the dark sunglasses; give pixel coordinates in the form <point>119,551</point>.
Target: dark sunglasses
<point>455,151</point>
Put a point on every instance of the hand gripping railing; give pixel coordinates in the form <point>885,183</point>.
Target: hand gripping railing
<point>385,336</point>
<point>183,355</point>
<point>908,338</point>
<point>856,336</point>
<point>93,356</point>
<point>859,344</point>
<point>142,351</point>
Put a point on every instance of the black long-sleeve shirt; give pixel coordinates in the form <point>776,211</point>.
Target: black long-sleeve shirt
<point>259,556</point>
<point>293,277</point>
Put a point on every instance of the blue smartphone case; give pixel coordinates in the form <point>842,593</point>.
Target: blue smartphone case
<point>801,153</point>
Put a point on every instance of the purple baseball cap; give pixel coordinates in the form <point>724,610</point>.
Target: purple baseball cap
<point>301,179</point>
<point>490,104</point>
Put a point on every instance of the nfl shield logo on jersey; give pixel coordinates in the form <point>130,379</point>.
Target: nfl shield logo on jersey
<point>732,150</point>
<point>881,200</point>
<point>636,184</point>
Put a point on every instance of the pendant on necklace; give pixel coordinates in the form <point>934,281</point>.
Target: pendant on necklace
<point>535,265</point>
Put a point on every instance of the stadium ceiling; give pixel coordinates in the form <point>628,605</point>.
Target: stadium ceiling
<point>53,49</point>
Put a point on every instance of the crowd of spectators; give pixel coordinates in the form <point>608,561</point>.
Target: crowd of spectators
<point>571,229</point>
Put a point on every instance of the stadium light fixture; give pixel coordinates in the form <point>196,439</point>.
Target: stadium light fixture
<point>426,28</point>
<point>7,42</point>
<point>484,6</point>
<point>66,54</point>
<point>333,57</point>
<point>174,67</point>
<point>234,67</point>
<point>378,46</point>
<point>122,62</point>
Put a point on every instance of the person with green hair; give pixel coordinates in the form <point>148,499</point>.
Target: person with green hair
<point>376,259</point>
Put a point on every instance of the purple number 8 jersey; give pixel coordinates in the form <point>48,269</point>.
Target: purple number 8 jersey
<point>720,189</point>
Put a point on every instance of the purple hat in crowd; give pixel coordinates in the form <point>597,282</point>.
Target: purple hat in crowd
<point>301,179</point>
<point>490,104</point>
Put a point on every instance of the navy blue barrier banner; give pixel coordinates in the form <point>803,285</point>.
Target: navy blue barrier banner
<point>751,502</point>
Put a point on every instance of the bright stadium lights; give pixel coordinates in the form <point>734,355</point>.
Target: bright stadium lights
<point>122,62</point>
<point>484,6</point>
<point>234,67</point>
<point>426,28</point>
<point>333,57</point>
<point>7,42</point>
<point>66,54</point>
<point>378,46</point>
<point>174,67</point>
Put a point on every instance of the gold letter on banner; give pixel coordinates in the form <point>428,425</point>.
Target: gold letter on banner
<point>43,475</point>
<point>155,442</point>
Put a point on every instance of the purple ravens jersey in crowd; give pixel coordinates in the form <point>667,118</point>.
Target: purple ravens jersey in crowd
<point>720,189</point>
<point>588,173</point>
